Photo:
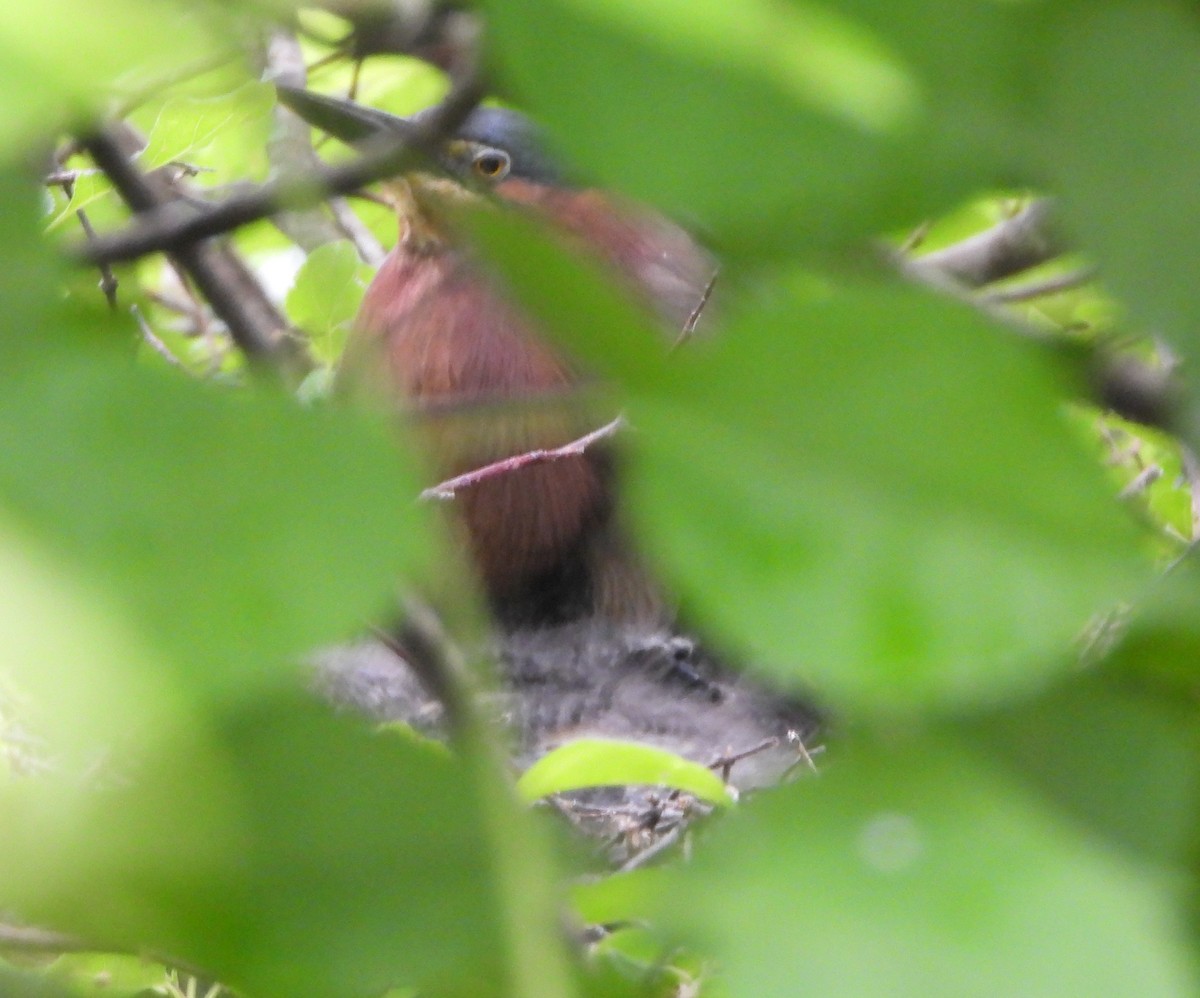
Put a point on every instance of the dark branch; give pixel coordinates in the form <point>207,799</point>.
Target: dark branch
<point>235,296</point>
<point>424,646</point>
<point>168,227</point>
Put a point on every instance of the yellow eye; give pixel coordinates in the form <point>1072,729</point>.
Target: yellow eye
<point>491,164</point>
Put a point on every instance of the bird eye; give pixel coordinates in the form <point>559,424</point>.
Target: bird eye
<point>491,164</point>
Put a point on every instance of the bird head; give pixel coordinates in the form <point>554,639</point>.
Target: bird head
<point>490,148</point>
<point>499,151</point>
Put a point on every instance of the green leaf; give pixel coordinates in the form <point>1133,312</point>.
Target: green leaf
<point>22,984</point>
<point>659,104</point>
<point>325,296</point>
<point>290,853</point>
<point>911,870</point>
<point>84,671</point>
<point>1119,143</point>
<point>89,188</point>
<point>237,532</point>
<point>1119,756</point>
<point>108,974</point>
<point>57,56</point>
<point>225,134</point>
<point>876,491</point>
<point>604,762</point>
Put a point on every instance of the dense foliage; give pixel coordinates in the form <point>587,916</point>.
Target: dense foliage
<point>863,486</point>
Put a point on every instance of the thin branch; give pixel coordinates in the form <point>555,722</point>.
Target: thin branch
<point>369,249</point>
<point>1014,245</point>
<point>30,939</point>
<point>427,650</point>
<point>108,281</point>
<point>1147,477</point>
<point>1039,289</point>
<point>280,60</point>
<point>655,848</point>
<point>235,296</point>
<point>449,488</point>
<point>689,327</point>
<point>152,340</point>
<point>169,227</point>
<point>725,763</point>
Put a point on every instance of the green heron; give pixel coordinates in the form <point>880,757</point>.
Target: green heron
<point>543,535</point>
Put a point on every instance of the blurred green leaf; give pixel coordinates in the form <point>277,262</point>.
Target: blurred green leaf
<point>1119,143</point>
<point>913,869</point>
<point>295,855</point>
<point>240,531</point>
<point>22,984</point>
<point>56,56</point>
<point>603,762</point>
<point>879,492</point>
<point>108,974</point>
<point>88,675</point>
<point>570,295</point>
<point>1118,756</point>
<point>1160,642</point>
<point>88,189</point>
<point>660,98</point>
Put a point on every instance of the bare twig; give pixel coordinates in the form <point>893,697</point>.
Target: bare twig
<point>724,765</point>
<point>689,327</point>
<point>152,340</point>
<point>369,249</point>
<point>428,651</point>
<point>658,846</point>
<point>108,281</point>
<point>289,147</point>
<point>1147,477</point>
<point>449,488</point>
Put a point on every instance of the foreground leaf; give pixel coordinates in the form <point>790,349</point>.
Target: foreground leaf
<point>916,870</point>
<point>874,490</point>
<point>604,762</point>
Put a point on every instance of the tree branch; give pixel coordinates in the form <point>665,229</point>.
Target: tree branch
<point>1014,245</point>
<point>235,296</point>
<point>169,227</point>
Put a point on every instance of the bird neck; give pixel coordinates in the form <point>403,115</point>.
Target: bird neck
<point>420,231</point>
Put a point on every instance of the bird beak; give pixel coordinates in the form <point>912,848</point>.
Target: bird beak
<point>354,124</point>
<point>360,125</point>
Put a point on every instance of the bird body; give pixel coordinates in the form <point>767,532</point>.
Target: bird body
<point>461,356</point>
<point>587,645</point>
<point>488,386</point>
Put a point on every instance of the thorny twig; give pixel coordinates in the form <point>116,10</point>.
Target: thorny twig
<point>66,180</point>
